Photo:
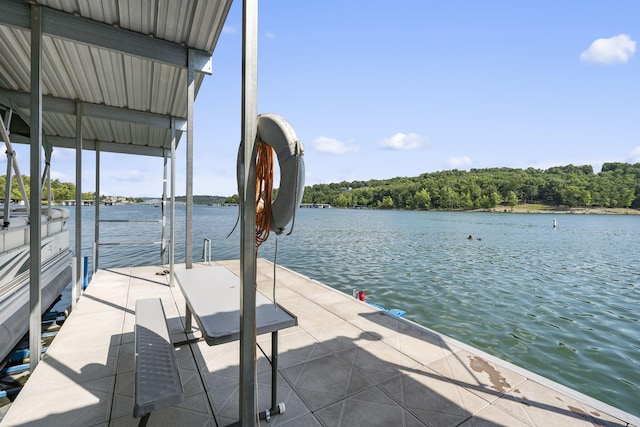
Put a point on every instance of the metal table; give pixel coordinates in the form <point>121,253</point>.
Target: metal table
<point>212,297</point>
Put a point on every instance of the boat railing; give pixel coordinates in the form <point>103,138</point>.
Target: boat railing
<point>130,242</point>
<point>206,250</point>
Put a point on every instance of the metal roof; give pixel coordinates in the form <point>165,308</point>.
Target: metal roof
<point>124,61</point>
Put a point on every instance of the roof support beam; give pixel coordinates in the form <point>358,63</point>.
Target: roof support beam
<point>56,23</point>
<point>97,111</point>
<point>92,144</point>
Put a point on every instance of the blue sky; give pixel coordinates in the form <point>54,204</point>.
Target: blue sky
<point>378,89</point>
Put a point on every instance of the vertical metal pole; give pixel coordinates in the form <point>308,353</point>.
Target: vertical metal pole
<point>78,265</point>
<point>96,241</point>
<point>172,215</point>
<point>48,179</point>
<point>74,281</point>
<point>247,397</point>
<point>274,371</point>
<point>14,162</point>
<point>11,160</point>
<point>7,189</point>
<point>189,202</point>
<point>163,238</point>
<point>35,230</point>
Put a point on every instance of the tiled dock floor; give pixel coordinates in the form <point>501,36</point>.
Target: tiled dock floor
<point>345,364</point>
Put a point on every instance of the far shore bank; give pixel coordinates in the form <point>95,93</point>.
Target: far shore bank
<point>546,209</point>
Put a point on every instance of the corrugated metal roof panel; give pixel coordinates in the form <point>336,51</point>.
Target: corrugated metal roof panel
<point>14,72</point>
<point>79,72</point>
<point>59,124</point>
<point>193,23</point>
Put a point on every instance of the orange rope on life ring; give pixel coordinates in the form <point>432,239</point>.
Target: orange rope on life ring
<point>264,191</point>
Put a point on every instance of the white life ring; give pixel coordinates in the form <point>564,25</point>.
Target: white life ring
<point>278,133</point>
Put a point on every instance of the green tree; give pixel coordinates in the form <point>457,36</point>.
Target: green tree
<point>234,199</point>
<point>422,199</point>
<point>386,203</point>
<point>448,198</point>
<point>341,201</point>
<point>512,199</point>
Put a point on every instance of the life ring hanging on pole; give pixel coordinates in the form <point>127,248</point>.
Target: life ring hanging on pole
<point>278,133</point>
<point>275,135</point>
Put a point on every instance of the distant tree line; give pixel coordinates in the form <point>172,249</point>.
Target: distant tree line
<point>204,200</point>
<point>616,186</point>
<point>59,190</point>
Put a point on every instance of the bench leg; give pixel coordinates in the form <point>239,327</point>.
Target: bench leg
<point>143,421</point>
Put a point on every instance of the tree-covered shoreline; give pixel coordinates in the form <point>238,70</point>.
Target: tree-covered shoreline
<point>617,185</point>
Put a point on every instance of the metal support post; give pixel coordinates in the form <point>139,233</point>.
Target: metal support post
<point>172,215</point>
<point>96,233</point>
<point>247,395</point>
<point>77,287</point>
<point>35,220</point>
<point>188,241</point>
<point>7,191</point>
<point>75,261</point>
<point>4,127</point>
<point>163,239</point>
<point>11,159</point>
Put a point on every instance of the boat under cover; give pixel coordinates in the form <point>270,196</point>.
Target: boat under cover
<point>14,270</point>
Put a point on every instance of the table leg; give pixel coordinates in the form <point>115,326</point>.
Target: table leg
<point>274,370</point>
<point>276,408</point>
<point>187,320</point>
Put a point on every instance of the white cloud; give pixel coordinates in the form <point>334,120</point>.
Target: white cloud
<point>401,141</point>
<point>334,146</point>
<point>62,176</point>
<point>619,48</point>
<point>229,29</point>
<point>634,156</point>
<point>63,154</point>
<point>457,162</point>
<point>124,175</point>
<point>270,35</point>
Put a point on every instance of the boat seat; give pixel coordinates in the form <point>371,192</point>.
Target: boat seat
<point>157,379</point>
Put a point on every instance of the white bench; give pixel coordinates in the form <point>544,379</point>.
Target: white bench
<point>157,379</point>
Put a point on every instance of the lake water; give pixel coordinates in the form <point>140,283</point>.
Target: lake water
<point>563,302</point>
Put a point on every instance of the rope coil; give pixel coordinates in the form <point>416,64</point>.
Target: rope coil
<point>264,191</point>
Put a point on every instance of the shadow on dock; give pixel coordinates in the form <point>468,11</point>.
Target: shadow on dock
<point>345,364</point>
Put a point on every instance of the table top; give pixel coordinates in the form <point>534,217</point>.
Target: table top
<point>213,296</point>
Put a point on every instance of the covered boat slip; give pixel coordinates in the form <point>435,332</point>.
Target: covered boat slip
<point>344,364</point>
<point>122,76</point>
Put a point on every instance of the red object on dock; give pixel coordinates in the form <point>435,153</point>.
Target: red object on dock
<point>361,295</point>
